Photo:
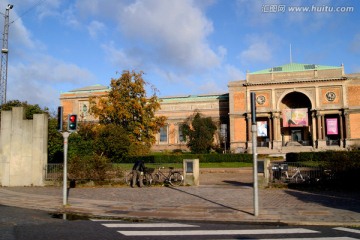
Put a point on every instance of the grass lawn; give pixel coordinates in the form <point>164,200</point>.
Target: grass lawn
<point>127,166</point>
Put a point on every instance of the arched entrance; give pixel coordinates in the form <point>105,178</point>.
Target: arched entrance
<point>295,120</point>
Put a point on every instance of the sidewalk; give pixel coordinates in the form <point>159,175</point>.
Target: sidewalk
<point>223,195</point>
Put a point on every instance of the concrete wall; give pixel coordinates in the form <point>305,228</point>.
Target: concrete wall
<point>23,148</point>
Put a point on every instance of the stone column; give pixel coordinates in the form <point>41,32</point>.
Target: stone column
<point>318,125</point>
<point>346,133</point>
<point>313,129</point>
<point>341,130</point>
<point>323,127</point>
<point>321,142</point>
<point>270,132</point>
<point>277,144</point>
<point>248,129</point>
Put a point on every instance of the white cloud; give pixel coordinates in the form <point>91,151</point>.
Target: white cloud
<point>36,81</point>
<point>255,12</point>
<point>234,74</point>
<point>258,51</point>
<point>355,44</point>
<point>96,27</point>
<point>175,32</point>
<point>122,58</point>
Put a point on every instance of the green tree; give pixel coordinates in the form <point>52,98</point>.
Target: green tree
<point>199,132</point>
<point>55,143</point>
<point>112,142</point>
<point>128,105</point>
<point>30,109</point>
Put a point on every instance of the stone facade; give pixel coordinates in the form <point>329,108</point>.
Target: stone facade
<point>299,107</point>
<point>23,148</point>
<point>177,109</point>
<point>324,96</point>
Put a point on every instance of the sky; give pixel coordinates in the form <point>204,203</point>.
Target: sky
<point>184,47</point>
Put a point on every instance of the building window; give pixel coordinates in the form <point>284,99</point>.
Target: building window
<point>181,134</point>
<point>163,134</point>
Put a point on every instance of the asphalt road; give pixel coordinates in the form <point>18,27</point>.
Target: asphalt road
<point>21,224</point>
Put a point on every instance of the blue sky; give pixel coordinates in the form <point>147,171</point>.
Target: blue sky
<point>183,46</point>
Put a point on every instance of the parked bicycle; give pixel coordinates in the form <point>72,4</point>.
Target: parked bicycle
<point>296,176</point>
<point>174,178</point>
<point>147,177</point>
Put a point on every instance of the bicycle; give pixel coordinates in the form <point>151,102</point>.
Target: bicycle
<point>147,177</point>
<point>174,178</point>
<point>297,176</point>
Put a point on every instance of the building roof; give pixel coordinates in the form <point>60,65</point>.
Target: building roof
<point>185,98</point>
<point>295,67</point>
<point>93,88</point>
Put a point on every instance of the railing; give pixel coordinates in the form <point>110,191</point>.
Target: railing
<point>54,171</point>
<point>333,142</point>
<point>295,172</point>
<point>262,144</point>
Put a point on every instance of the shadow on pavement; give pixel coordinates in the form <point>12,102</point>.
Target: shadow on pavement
<point>211,201</point>
<point>338,200</point>
<point>237,183</point>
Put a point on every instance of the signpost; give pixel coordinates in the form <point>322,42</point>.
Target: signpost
<point>72,126</point>
<point>254,143</point>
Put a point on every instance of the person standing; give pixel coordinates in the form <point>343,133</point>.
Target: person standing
<point>138,173</point>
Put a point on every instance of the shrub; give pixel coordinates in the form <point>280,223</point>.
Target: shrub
<point>178,158</point>
<point>89,167</point>
<point>345,165</point>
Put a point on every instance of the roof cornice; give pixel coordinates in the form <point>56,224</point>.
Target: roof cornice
<point>295,81</point>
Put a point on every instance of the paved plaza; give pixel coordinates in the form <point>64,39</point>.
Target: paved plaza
<point>223,195</point>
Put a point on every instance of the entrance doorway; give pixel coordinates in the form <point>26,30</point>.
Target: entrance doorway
<point>296,136</point>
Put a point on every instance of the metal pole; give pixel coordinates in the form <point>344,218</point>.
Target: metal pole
<point>4,56</point>
<point>66,136</point>
<point>254,143</point>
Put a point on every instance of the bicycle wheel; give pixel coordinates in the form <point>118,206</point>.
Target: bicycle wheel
<point>128,178</point>
<point>147,179</point>
<point>176,179</point>
<point>156,179</point>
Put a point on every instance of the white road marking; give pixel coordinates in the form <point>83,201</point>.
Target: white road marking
<point>320,238</point>
<point>146,225</point>
<point>347,230</point>
<point>106,220</point>
<point>217,232</point>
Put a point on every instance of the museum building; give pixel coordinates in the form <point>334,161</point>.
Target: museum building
<point>299,107</point>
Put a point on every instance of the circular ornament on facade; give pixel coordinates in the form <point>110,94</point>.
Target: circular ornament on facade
<point>260,99</point>
<point>330,96</point>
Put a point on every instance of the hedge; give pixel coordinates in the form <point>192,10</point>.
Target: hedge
<point>178,158</point>
<point>345,165</point>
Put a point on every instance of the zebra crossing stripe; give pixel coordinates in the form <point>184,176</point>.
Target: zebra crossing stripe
<point>347,230</point>
<point>320,238</point>
<point>105,220</point>
<point>217,232</point>
<point>146,225</point>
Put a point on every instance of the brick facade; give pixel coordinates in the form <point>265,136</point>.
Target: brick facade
<point>327,96</point>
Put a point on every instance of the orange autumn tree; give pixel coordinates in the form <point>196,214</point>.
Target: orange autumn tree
<point>127,105</point>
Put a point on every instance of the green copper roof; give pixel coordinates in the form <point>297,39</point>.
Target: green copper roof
<point>93,88</point>
<point>295,67</point>
<point>190,98</point>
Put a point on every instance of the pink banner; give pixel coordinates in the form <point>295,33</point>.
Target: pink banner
<point>297,117</point>
<point>331,126</point>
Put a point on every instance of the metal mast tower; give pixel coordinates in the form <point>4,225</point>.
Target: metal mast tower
<point>4,56</point>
